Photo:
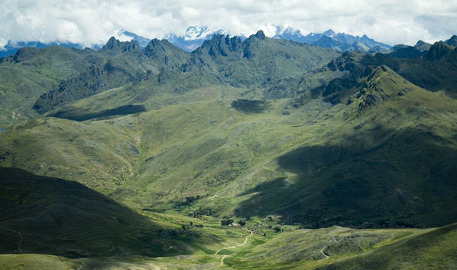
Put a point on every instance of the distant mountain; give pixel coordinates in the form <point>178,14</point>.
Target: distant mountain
<point>332,40</point>
<point>193,38</point>
<point>12,47</point>
<point>125,35</point>
<point>452,41</point>
<point>422,46</point>
<point>196,35</point>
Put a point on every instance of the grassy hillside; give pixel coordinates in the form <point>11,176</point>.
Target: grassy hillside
<point>53,216</point>
<point>250,154</point>
<point>434,70</point>
<point>39,80</point>
<point>330,248</point>
<point>32,72</point>
<point>384,157</point>
<point>433,250</point>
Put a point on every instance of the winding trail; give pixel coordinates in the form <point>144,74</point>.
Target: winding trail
<point>231,247</point>
<point>322,249</point>
<point>322,252</point>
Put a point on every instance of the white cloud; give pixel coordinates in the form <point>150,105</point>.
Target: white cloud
<point>94,21</point>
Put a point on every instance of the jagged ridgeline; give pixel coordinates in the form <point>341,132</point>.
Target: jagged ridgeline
<point>244,128</point>
<point>117,64</point>
<point>159,67</point>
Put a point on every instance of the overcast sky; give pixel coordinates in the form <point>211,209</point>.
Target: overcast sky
<point>94,21</point>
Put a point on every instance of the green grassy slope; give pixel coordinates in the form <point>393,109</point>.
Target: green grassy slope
<point>32,72</point>
<point>53,216</point>
<point>309,249</point>
<point>36,80</point>
<point>433,250</point>
<point>244,131</point>
<point>366,168</point>
<point>355,163</point>
<point>329,248</point>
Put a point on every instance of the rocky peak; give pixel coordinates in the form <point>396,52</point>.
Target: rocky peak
<point>422,46</point>
<point>154,42</point>
<point>114,45</point>
<point>260,34</point>
<point>438,50</point>
<point>153,47</point>
<point>329,33</point>
<point>222,45</point>
<point>452,41</point>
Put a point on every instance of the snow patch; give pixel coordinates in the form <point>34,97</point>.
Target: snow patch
<point>3,43</point>
<point>201,32</point>
<point>122,36</point>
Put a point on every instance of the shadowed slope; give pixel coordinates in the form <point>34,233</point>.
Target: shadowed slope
<point>391,163</point>
<point>53,216</point>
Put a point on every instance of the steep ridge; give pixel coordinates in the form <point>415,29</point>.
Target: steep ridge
<point>257,60</point>
<point>120,63</point>
<point>32,72</point>
<point>222,62</point>
<point>433,70</point>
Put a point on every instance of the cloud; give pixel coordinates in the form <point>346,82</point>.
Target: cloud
<point>94,21</point>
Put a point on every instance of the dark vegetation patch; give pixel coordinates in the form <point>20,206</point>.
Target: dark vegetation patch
<point>122,110</point>
<point>250,106</point>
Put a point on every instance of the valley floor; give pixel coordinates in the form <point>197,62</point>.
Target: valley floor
<point>263,244</point>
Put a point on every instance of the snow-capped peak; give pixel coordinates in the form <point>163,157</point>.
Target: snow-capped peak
<point>198,32</point>
<point>123,35</point>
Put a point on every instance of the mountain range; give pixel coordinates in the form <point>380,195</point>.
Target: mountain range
<point>245,153</point>
<point>194,37</point>
<point>12,47</point>
<point>332,40</point>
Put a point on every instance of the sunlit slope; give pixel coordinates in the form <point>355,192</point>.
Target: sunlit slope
<point>329,248</point>
<point>433,250</point>
<point>32,72</point>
